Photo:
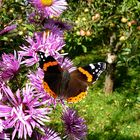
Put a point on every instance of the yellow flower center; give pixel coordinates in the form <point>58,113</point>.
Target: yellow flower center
<point>46,2</point>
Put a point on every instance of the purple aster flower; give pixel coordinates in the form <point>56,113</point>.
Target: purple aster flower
<point>2,95</point>
<point>9,66</point>
<point>1,125</point>
<point>75,127</point>
<point>65,63</point>
<point>8,29</point>
<point>23,112</point>
<point>53,29</point>
<point>36,80</point>
<point>50,44</point>
<point>4,136</point>
<point>49,135</point>
<point>50,7</point>
<point>35,18</point>
<point>56,27</point>
<point>52,24</point>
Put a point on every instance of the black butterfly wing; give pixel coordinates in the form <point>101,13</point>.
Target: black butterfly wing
<point>52,74</point>
<point>95,70</point>
<point>52,81</point>
<point>80,79</point>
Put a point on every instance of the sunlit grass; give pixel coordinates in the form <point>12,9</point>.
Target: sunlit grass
<point>110,117</point>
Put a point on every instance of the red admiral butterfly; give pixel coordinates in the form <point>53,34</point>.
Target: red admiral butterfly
<point>71,86</point>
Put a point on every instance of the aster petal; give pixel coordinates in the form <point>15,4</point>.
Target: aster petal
<point>18,96</point>
<point>10,95</point>
<point>25,132</point>
<point>20,134</point>
<point>14,133</point>
<point>75,127</point>
<point>49,135</point>
<point>29,129</point>
<point>5,110</point>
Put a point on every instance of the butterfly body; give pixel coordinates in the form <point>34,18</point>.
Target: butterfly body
<point>72,86</point>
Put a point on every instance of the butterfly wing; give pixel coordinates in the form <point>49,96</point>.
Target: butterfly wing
<point>76,89</point>
<point>81,78</point>
<point>94,71</point>
<point>52,74</point>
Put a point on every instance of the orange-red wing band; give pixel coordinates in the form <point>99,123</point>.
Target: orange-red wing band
<point>48,90</point>
<point>46,65</point>
<point>77,98</point>
<point>88,75</point>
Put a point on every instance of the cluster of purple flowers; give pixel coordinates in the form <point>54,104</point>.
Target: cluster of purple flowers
<point>9,66</point>
<point>26,109</point>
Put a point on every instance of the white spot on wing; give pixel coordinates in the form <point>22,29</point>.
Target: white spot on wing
<point>96,70</point>
<point>99,63</point>
<point>41,56</point>
<point>92,66</point>
<point>46,55</point>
